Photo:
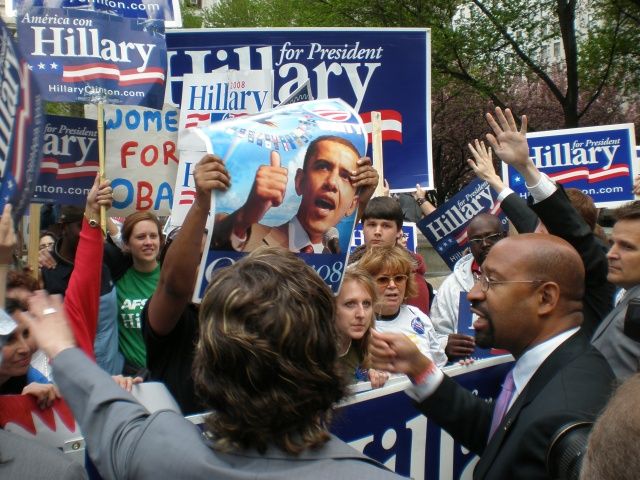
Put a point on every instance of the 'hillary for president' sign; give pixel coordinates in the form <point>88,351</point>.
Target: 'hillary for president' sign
<point>372,69</point>
<point>597,160</point>
<point>446,227</point>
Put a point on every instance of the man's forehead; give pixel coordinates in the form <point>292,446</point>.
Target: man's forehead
<point>379,220</point>
<point>628,227</point>
<point>334,151</point>
<point>484,226</point>
<point>504,255</point>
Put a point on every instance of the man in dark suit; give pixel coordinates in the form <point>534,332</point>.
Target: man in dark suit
<point>570,215</point>
<point>529,302</point>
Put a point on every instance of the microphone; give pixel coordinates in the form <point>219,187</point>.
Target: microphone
<point>331,240</point>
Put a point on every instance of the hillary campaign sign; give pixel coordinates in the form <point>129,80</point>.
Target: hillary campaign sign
<point>141,157</point>
<point>85,56</point>
<point>446,227</point>
<point>600,161</point>
<point>385,70</point>
<point>21,127</point>
<point>404,439</point>
<point>69,162</point>
<point>318,210</point>
<point>212,97</point>
<point>166,10</point>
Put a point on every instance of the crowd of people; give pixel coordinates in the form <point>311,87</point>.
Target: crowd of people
<point>270,351</point>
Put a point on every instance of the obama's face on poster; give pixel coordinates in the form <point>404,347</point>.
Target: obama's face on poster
<point>325,186</point>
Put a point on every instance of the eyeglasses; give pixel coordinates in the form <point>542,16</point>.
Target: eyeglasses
<point>489,239</point>
<point>46,245</point>
<point>384,280</point>
<point>485,283</point>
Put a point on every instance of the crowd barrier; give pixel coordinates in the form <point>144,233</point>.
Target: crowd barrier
<point>381,423</point>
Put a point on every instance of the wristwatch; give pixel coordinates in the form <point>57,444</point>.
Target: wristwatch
<point>420,201</point>
<point>93,222</point>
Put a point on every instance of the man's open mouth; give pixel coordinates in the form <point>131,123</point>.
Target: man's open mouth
<point>325,203</point>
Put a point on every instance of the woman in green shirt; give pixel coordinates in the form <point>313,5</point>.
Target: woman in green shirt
<point>142,238</point>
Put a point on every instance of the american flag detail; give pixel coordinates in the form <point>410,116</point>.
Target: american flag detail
<point>391,125</point>
<point>592,176</point>
<point>68,170</point>
<point>186,197</point>
<point>198,120</point>
<point>92,71</point>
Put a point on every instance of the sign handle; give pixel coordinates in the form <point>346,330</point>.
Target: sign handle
<point>103,209</point>
<point>376,147</point>
<point>34,238</point>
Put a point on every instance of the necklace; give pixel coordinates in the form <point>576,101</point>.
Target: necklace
<point>346,350</point>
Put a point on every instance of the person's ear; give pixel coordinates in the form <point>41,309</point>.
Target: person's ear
<point>352,207</point>
<point>548,294</point>
<point>299,181</point>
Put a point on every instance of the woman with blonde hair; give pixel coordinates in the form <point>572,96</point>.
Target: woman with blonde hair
<point>391,269</point>
<point>354,321</point>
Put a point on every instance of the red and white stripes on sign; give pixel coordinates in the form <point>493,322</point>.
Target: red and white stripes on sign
<point>51,165</point>
<point>92,71</point>
<point>592,176</point>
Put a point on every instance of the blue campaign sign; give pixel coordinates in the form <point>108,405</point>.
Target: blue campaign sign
<point>85,56</point>
<point>446,227</point>
<point>166,10</point>
<point>386,70</point>
<point>600,161</point>
<point>70,160</point>
<point>385,425</point>
<point>21,127</point>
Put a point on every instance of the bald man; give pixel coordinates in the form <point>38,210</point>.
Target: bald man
<point>528,301</point>
<point>450,303</point>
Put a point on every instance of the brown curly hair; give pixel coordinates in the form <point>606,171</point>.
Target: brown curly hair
<point>266,359</point>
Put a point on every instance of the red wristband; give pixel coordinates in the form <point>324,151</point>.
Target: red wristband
<point>425,373</point>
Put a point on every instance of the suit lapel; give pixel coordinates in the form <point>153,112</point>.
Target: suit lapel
<point>631,293</point>
<point>561,356</point>
<point>278,236</point>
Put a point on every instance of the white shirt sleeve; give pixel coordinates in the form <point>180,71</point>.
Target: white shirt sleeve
<point>504,193</point>
<point>543,189</point>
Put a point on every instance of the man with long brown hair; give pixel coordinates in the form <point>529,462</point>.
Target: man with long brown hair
<point>265,363</point>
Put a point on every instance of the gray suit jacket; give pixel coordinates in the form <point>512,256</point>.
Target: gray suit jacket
<point>622,352</point>
<point>125,441</point>
<point>23,458</point>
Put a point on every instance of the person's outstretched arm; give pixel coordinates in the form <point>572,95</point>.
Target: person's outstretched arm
<point>120,434</point>
<point>82,297</point>
<point>178,271</point>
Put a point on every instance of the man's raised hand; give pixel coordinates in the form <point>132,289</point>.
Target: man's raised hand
<point>509,143</point>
